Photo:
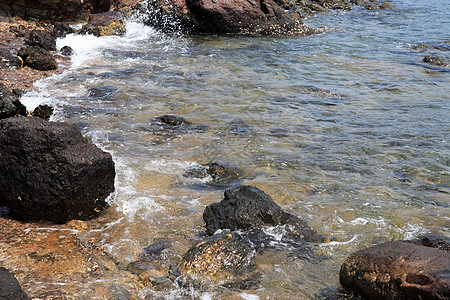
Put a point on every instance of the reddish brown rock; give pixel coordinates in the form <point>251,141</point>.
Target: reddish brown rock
<point>386,5</point>
<point>398,270</point>
<point>107,23</point>
<point>246,16</point>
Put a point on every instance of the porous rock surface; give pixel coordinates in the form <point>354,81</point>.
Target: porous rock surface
<point>399,270</point>
<point>9,287</point>
<point>50,172</point>
<point>10,104</point>
<point>247,207</point>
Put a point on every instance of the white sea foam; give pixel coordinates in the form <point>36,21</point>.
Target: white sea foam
<point>247,296</point>
<point>411,231</point>
<point>88,47</point>
<point>170,166</point>
<point>336,243</point>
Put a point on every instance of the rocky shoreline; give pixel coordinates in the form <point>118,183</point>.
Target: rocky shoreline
<point>36,249</point>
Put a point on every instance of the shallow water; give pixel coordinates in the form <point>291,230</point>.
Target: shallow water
<point>347,129</point>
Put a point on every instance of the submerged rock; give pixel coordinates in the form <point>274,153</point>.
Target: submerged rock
<point>443,46</point>
<point>221,252</point>
<point>10,288</point>
<point>398,270</point>
<point>249,208</point>
<point>158,246</point>
<point>239,126</point>
<point>218,173</point>
<point>323,92</point>
<point>436,60</point>
<point>170,124</point>
<point>38,58</point>
<point>107,23</point>
<point>173,120</point>
<point>221,174</point>
<point>10,104</point>
<point>50,172</point>
<point>43,39</point>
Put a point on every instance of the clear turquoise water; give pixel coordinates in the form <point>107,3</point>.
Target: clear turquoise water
<point>367,164</point>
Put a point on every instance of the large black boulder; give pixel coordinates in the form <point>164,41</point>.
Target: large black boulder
<point>37,58</point>
<point>247,207</point>
<point>9,287</point>
<point>10,104</point>
<point>50,172</point>
<point>400,270</point>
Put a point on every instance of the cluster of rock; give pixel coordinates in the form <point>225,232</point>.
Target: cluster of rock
<point>269,17</point>
<point>235,228</point>
<point>227,253</point>
<point>48,170</point>
<point>436,54</point>
<point>10,104</point>
<point>272,17</point>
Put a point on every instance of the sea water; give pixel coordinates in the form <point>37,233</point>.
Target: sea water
<point>347,129</point>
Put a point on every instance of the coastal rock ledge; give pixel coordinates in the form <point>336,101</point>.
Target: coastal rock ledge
<point>400,270</point>
<point>50,172</point>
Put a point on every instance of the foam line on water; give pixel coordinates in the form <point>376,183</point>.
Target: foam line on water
<point>88,47</point>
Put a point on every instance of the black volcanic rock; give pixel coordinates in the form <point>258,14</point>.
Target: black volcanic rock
<point>50,172</point>
<point>43,39</point>
<point>43,111</point>
<point>37,58</point>
<point>249,208</point>
<point>10,104</point>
